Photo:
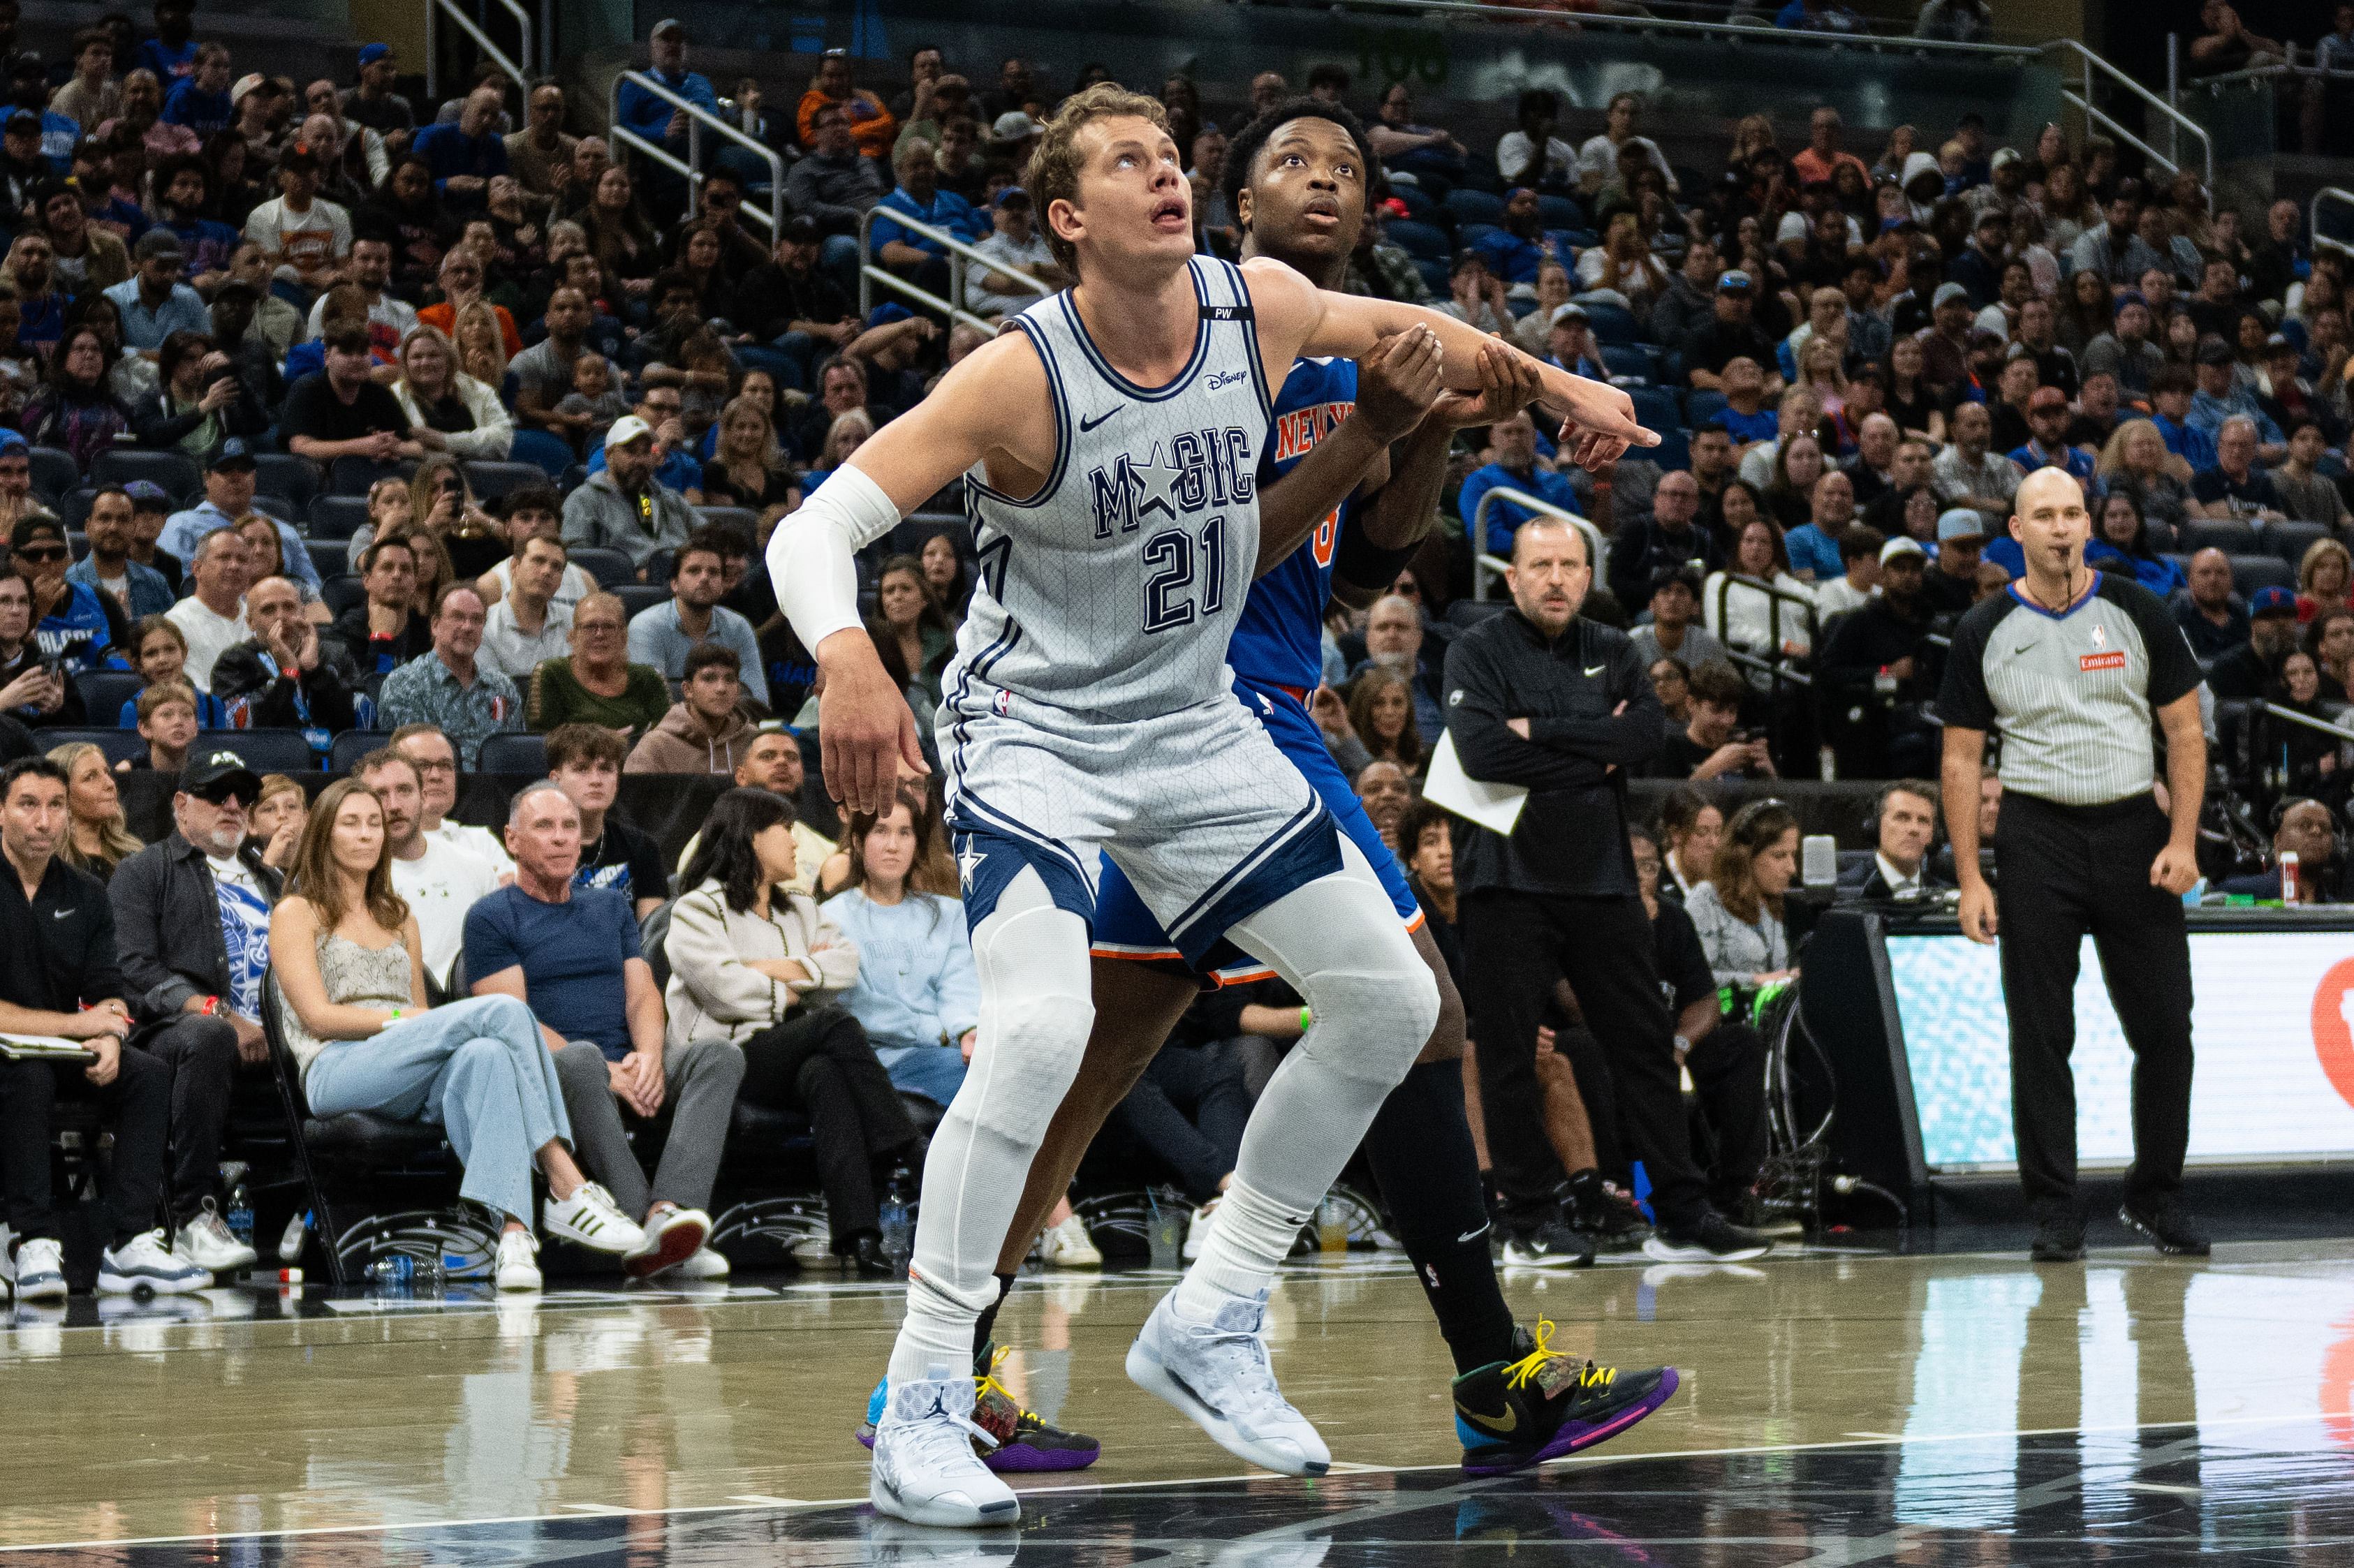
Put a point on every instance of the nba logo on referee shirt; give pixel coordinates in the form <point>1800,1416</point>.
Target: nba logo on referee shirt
<point>2109,659</point>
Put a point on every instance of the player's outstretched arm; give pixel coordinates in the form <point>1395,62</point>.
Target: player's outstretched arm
<point>1295,318</point>
<point>866,730</point>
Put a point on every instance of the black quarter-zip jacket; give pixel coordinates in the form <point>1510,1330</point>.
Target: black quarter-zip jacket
<point>1571,840</point>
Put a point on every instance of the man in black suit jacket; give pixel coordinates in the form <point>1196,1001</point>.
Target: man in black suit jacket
<point>1899,868</point>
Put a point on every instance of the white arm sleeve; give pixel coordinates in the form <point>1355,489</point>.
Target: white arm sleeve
<point>810,563</point>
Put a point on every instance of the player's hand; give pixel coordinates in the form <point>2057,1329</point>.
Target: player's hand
<point>1398,382</point>
<point>1978,911</point>
<point>1600,424</point>
<point>1509,383</point>
<point>2175,870</point>
<point>865,728</point>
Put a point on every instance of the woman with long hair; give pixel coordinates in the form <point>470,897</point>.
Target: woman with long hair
<point>1690,827</point>
<point>2086,310</point>
<point>626,247</point>
<point>450,412</point>
<point>1766,626</point>
<point>97,839</point>
<point>844,436</point>
<point>442,503</point>
<point>2322,578</point>
<point>347,973</point>
<point>2118,524</point>
<point>236,193</point>
<point>199,402</point>
<point>30,691</point>
<point>280,812</point>
<point>266,550</point>
<point>74,408</point>
<point>944,568</point>
<point>1910,402</point>
<point>2179,338</point>
<point>2068,211</point>
<point>1896,153</point>
<point>481,346</point>
<point>1739,504</point>
<point>1381,712</point>
<point>1738,910</point>
<point>1821,367</point>
<point>916,992</point>
<point>2135,460</point>
<point>909,615</point>
<point>1798,463</point>
<point>761,968</point>
<point>747,468</point>
<point>2306,757</point>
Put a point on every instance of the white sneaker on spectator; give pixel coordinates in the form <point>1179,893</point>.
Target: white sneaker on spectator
<point>144,1263</point>
<point>1197,1230</point>
<point>816,1251</point>
<point>208,1241</point>
<point>517,1267</point>
<point>926,1469</point>
<point>1066,1246</point>
<point>591,1218</point>
<point>40,1270</point>
<point>672,1236</point>
<point>702,1264</point>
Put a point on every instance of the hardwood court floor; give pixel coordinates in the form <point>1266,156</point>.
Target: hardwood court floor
<point>1856,1407</point>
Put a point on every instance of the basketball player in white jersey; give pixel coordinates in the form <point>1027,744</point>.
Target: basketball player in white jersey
<point>1113,443</point>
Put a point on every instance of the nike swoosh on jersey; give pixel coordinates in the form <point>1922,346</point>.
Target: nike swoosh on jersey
<point>1085,424</point>
<point>1508,1421</point>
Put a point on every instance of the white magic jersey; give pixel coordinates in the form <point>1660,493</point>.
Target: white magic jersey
<point>1113,591</point>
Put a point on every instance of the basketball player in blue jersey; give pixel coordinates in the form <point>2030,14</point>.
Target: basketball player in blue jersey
<point>1112,445</point>
<point>1340,522</point>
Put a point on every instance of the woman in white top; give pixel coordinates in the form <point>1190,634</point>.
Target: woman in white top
<point>348,976</point>
<point>1738,910</point>
<point>449,410</point>
<point>1765,625</point>
<point>758,965</point>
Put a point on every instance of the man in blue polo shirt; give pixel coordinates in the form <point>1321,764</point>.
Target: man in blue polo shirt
<point>155,303</point>
<point>2048,418</point>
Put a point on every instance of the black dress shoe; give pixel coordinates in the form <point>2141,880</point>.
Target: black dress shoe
<point>2059,1238</point>
<point>2165,1226</point>
<point>866,1255</point>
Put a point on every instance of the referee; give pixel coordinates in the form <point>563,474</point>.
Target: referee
<point>1561,705</point>
<point>2070,665</point>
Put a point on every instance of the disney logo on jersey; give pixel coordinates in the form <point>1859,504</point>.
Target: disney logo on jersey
<point>1197,468</point>
<point>1221,380</point>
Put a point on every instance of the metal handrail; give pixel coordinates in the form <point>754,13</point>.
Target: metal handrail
<point>2313,216</point>
<point>698,117</point>
<point>2176,121</point>
<point>482,41</point>
<point>1762,29</point>
<point>2309,721</point>
<point>960,254</point>
<point>1768,667</point>
<point>1485,567</point>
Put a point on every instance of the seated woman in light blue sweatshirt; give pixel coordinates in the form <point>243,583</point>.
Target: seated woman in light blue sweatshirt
<point>917,994</point>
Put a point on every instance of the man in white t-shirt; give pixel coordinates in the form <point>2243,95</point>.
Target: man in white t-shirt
<point>438,880</point>
<point>536,512</point>
<point>212,618</point>
<point>390,319</point>
<point>1015,247</point>
<point>300,233</point>
<point>437,770</point>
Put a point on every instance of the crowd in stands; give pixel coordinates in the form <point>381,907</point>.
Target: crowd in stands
<point>324,411</point>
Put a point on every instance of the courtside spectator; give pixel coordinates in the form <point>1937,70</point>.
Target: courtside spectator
<point>439,881</point>
<point>1709,746</point>
<point>229,481</point>
<point>1728,335</point>
<point>585,760</point>
<point>97,836</point>
<point>285,674</point>
<point>761,970</point>
<point>437,771</point>
<point>915,993</point>
<point>1906,814</point>
<point>68,983</point>
<point>571,954</point>
<point>2306,830</point>
<point>464,699</point>
<point>1738,910</point>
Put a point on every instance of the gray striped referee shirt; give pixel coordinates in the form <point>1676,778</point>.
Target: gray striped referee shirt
<point>2072,693</point>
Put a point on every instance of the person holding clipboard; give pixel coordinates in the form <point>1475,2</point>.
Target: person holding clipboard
<point>1562,707</point>
<point>66,988</point>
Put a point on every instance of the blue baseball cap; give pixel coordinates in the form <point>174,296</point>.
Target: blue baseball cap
<point>2271,601</point>
<point>1960,522</point>
<point>13,441</point>
<point>147,492</point>
<point>371,53</point>
<point>1737,278</point>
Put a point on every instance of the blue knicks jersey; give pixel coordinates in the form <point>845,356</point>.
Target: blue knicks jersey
<point>1279,639</point>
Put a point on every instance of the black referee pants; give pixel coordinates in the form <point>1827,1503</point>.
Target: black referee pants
<point>2064,872</point>
<point>1515,945</point>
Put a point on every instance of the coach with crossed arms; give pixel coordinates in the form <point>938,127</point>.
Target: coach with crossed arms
<point>2070,666</point>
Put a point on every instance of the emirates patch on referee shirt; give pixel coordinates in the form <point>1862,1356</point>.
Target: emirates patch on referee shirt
<point>2115,659</point>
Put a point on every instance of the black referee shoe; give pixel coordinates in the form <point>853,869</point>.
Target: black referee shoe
<point>2059,1238</point>
<point>2166,1227</point>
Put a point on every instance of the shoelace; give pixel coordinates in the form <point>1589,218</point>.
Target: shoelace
<point>987,1385</point>
<point>940,1434</point>
<point>1243,1358</point>
<point>1524,1372</point>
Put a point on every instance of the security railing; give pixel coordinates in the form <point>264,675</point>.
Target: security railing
<point>468,25</point>
<point>1736,25</point>
<point>1486,568</point>
<point>698,117</point>
<point>2333,194</point>
<point>2095,69</point>
<point>961,257</point>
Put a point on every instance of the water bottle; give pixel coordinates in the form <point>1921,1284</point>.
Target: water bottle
<point>239,1211</point>
<point>898,1219</point>
<point>2288,870</point>
<point>1883,685</point>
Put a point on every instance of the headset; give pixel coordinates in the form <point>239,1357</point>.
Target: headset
<point>1926,791</point>
<point>2337,846</point>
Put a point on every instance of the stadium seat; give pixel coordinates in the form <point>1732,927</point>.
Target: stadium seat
<point>490,480</point>
<point>354,476</point>
<point>54,473</point>
<point>1612,326</point>
<point>73,507</point>
<point>264,750</point>
<point>77,545</point>
<point>742,519</point>
<point>611,569</point>
<point>103,692</point>
<point>2233,537</point>
<point>1433,275</point>
<point>638,598</point>
<point>1421,206</point>
<point>2250,572</point>
<point>328,556</point>
<point>573,478</point>
<point>338,516</point>
<point>345,753</point>
<point>1420,241</point>
<point>278,506</point>
<point>1626,359</point>
<point>1469,234</point>
<point>119,745</point>
<point>1474,206</point>
<point>341,594</point>
<point>284,474</point>
<point>524,753</point>
<point>1702,404</point>
<point>1470,612</point>
<point>175,471</point>
<point>2290,541</point>
<point>1560,212</point>
<point>2158,536</point>
<point>909,538</point>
